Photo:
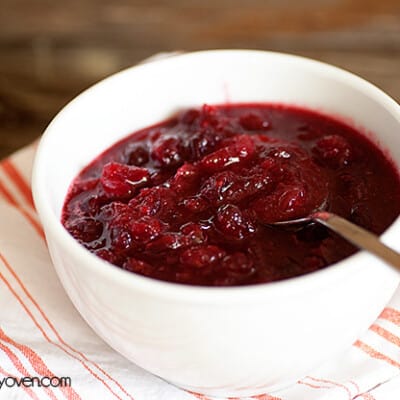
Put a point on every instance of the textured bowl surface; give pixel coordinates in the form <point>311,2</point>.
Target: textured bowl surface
<point>218,341</point>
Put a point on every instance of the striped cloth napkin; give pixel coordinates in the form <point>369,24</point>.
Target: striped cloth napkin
<point>43,336</point>
<point>48,351</point>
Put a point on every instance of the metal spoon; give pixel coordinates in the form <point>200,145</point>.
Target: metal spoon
<point>352,232</point>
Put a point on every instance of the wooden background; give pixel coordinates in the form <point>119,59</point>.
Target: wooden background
<point>50,50</point>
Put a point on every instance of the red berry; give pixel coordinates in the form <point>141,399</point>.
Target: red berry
<point>196,204</point>
<point>220,159</point>
<point>238,262</point>
<point>166,242</point>
<point>120,180</point>
<point>146,229</point>
<point>139,267</point>
<point>85,229</point>
<point>202,143</point>
<point>216,188</point>
<point>194,233</point>
<point>190,116</point>
<point>153,201</point>
<point>185,179</point>
<point>201,256</point>
<point>168,151</point>
<point>107,255</point>
<point>121,239</point>
<point>258,183</point>
<point>333,150</point>
<point>254,122</point>
<point>292,199</point>
<point>241,150</point>
<point>138,155</point>
<point>313,262</point>
<point>352,187</point>
<point>84,185</point>
<point>232,223</point>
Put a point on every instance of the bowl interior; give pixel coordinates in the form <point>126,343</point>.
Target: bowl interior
<point>147,94</point>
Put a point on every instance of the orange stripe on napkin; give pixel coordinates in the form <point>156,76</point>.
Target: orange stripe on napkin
<point>37,363</point>
<point>265,397</point>
<point>385,334</point>
<point>8,266</point>
<point>198,395</point>
<point>392,315</point>
<point>35,224</point>
<point>256,397</point>
<point>39,230</point>
<point>19,366</point>
<point>375,353</point>
<point>355,385</point>
<point>6,194</point>
<point>337,384</point>
<point>28,390</point>
<point>51,341</point>
<point>311,385</point>
<point>19,181</point>
<point>15,294</point>
<point>366,396</point>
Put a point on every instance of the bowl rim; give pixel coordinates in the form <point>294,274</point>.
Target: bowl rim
<point>205,294</point>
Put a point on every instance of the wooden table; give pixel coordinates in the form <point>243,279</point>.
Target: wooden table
<point>52,50</point>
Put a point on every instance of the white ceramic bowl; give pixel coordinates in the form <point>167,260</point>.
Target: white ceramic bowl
<point>217,341</point>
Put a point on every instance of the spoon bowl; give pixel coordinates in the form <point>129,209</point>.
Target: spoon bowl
<point>360,237</point>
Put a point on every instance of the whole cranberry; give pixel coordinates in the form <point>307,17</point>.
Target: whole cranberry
<point>157,200</point>
<point>139,267</point>
<point>138,155</point>
<point>120,180</point>
<point>190,116</point>
<point>146,229</point>
<point>168,151</point>
<point>217,188</point>
<point>121,239</point>
<point>241,150</point>
<point>334,151</point>
<point>166,242</point>
<point>233,223</point>
<point>292,199</point>
<point>254,122</point>
<point>201,256</point>
<point>185,179</point>
<point>201,143</point>
<point>107,255</point>
<point>196,204</point>
<point>85,229</point>
<point>239,263</point>
<point>194,232</point>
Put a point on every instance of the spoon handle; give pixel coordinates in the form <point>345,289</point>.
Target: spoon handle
<point>359,237</point>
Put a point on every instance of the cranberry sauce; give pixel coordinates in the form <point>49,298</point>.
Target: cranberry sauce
<point>189,200</point>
